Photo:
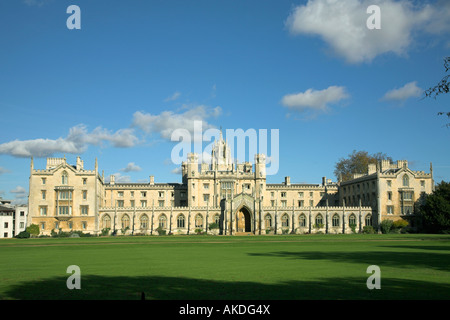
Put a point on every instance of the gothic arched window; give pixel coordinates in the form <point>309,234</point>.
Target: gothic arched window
<point>106,221</point>
<point>125,221</point>
<point>368,220</point>
<point>319,220</point>
<point>352,220</point>
<point>199,221</point>
<point>64,178</point>
<point>268,221</point>
<point>302,220</point>
<point>181,221</point>
<point>144,222</point>
<point>336,220</point>
<point>405,180</point>
<point>163,221</point>
<point>285,220</point>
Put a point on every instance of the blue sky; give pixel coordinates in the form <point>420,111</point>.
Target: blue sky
<point>136,70</point>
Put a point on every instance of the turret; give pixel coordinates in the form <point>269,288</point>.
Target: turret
<point>221,155</point>
<point>80,164</point>
<point>192,164</point>
<point>260,166</point>
<point>385,165</point>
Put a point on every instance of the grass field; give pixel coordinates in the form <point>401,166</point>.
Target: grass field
<point>216,267</point>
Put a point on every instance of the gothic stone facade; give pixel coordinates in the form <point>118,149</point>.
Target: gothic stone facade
<point>235,197</point>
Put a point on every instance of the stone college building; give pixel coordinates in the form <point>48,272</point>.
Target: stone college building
<point>235,198</point>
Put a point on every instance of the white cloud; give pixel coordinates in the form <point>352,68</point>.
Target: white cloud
<point>177,170</point>
<point>409,90</point>
<point>19,192</point>
<point>122,138</point>
<point>168,121</point>
<point>131,167</point>
<point>4,170</point>
<point>173,97</point>
<point>39,147</point>
<point>342,25</point>
<point>79,138</point>
<point>122,179</point>
<point>76,142</point>
<point>316,100</point>
<point>118,178</point>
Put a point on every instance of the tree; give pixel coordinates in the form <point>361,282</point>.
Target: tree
<point>386,226</point>
<point>435,210</point>
<point>33,229</point>
<point>357,162</point>
<point>441,87</point>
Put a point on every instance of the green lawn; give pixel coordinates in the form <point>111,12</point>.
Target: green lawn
<point>217,267</point>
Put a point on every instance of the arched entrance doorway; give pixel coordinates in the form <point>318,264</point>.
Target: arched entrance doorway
<point>243,220</point>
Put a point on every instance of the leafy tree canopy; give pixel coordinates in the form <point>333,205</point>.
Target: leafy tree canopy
<point>357,162</point>
<point>33,229</point>
<point>435,210</point>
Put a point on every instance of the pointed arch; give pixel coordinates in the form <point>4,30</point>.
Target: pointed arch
<point>199,221</point>
<point>336,220</point>
<point>405,180</point>
<point>268,220</point>
<point>217,219</point>
<point>181,221</point>
<point>162,220</point>
<point>285,220</point>
<point>106,221</point>
<point>352,219</point>
<point>319,220</point>
<point>144,221</point>
<point>302,220</point>
<point>244,219</point>
<point>368,219</point>
<point>125,221</point>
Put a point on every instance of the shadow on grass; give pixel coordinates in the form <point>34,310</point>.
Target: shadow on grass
<point>436,261</point>
<point>420,247</point>
<point>94,287</point>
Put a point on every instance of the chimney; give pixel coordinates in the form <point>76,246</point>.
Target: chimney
<point>152,180</point>
<point>287,181</point>
<point>372,168</point>
<point>112,179</point>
